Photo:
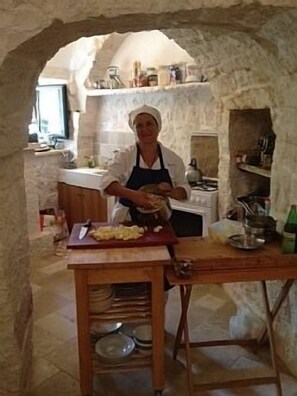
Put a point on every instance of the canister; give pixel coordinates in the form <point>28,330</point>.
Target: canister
<point>164,75</point>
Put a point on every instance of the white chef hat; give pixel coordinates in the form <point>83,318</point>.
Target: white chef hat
<point>147,110</point>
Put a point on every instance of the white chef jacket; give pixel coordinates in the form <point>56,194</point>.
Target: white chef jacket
<point>120,169</point>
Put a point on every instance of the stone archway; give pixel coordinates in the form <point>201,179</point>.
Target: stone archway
<point>241,49</point>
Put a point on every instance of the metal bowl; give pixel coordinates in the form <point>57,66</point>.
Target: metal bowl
<point>158,215</point>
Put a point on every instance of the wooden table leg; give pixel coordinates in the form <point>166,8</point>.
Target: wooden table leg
<point>83,334</point>
<point>187,341</point>
<point>158,360</point>
<point>185,299</point>
<point>183,328</point>
<point>277,305</point>
<point>271,338</point>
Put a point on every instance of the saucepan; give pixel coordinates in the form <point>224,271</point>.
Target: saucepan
<point>161,210</point>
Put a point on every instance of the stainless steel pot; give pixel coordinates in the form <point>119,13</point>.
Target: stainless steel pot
<point>158,215</point>
<point>262,226</point>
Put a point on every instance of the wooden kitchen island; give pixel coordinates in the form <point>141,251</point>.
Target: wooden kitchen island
<point>215,263</point>
<point>112,266</point>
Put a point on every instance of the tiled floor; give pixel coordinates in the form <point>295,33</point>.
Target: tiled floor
<point>55,369</point>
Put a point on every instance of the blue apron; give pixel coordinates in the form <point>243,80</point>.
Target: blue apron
<point>140,176</point>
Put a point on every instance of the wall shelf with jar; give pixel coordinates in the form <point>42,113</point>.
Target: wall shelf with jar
<point>158,88</point>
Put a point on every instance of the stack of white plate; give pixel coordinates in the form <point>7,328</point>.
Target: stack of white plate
<point>114,348</point>
<point>100,298</point>
<point>143,339</point>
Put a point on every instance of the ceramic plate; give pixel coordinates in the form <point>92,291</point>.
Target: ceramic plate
<point>104,328</point>
<point>143,334</point>
<point>246,242</point>
<point>114,346</point>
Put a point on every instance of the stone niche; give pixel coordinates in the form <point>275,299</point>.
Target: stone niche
<point>205,148</point>
<point>246,128</point>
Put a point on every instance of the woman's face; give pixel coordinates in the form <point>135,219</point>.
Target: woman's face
<point>146,128</point>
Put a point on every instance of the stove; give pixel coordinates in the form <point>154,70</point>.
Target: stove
<point>203,204</point>
<point>205,185</point>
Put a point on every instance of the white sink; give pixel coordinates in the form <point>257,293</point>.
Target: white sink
<point>100,172</point>
<point>96,171</point>
<point>81,177</point>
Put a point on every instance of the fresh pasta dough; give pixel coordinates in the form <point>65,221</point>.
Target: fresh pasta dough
<point>117,232</point>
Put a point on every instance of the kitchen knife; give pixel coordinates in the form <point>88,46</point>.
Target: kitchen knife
<point>84,229</point>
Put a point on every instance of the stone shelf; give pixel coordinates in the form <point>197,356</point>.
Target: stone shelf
<point>255,169</point>
<point>158,88</point>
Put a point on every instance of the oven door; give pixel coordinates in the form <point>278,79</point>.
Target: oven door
<point>186,224</point>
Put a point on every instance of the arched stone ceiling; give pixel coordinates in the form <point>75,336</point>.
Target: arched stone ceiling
<point>222,39</point>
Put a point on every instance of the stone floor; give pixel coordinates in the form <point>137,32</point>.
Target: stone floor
<point>55,368</point>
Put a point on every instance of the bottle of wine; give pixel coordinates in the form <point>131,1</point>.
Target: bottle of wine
<point>290,232</point>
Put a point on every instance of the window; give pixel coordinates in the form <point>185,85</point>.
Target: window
<point>50,113</point>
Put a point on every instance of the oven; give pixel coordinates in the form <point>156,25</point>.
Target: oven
<point>194,216</point>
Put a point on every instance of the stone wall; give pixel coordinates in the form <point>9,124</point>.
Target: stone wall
<point>47,165</point>
<point>41,242</point>
<point>185,109</point>
<point>247,49</point>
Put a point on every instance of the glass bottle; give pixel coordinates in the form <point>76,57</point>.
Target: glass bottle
<point>290,232</point>
<point>91,162</point>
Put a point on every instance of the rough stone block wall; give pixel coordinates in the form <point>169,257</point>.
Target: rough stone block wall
<point>185,109</point>
<point>47,165</point>
<point>250,61</point>
<point>15,290</point>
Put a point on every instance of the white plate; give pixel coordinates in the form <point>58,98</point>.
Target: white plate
<point>114,346</point>
<point>41,149</point>
<point>104,328</point>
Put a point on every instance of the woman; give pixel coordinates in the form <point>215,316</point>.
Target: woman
<point>146,162</point>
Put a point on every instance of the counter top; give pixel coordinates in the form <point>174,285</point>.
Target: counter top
<point>218,263</point>
<point>108,258</point>
<point>81,177</point>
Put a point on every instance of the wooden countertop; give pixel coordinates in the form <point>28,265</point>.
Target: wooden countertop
<point>218,263</point>
<point>114,257</point>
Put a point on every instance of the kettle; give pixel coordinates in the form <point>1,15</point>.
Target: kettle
<point>193,174</point>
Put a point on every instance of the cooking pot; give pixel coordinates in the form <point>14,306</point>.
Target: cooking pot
<point>160,213</point>
<point>193,174</point>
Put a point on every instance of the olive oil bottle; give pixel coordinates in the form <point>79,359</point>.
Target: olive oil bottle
<point>290,232</point>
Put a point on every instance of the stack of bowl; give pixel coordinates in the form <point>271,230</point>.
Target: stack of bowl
<point>100,298</point>
<point>143,339</point>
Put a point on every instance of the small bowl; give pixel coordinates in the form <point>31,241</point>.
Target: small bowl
<point>143,334</point>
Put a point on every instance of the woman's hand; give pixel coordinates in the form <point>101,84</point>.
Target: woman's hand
<point>164,188</point>
<point>141,199</point>
<point>178,193</point>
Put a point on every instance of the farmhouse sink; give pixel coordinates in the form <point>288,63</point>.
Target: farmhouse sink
<point>81,177</point>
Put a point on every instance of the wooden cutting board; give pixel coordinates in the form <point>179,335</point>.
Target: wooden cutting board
<point>166,236</point>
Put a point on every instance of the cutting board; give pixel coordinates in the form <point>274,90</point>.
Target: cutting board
<point>166,236</point>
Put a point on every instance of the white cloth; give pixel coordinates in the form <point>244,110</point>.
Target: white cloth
<point>121,167</point>
<point>148,110</point>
